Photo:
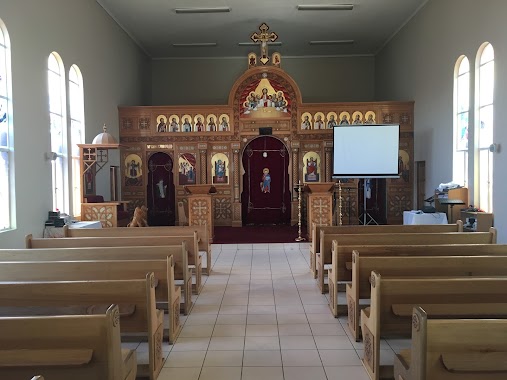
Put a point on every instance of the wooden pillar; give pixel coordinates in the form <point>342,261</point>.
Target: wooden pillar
<point>203,158</point>
<point>236,203</point>
<point>328,159</point>
<point>295,180</point>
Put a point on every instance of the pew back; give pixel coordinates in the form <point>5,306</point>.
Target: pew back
<point>165,291</point>
<point>178,253</point>
<point>203,243</point>
<point>415,266</point>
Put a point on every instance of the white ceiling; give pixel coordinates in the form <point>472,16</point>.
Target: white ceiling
<point>155,26</point>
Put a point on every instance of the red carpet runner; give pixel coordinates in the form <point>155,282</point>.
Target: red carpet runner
<point>257,234</point>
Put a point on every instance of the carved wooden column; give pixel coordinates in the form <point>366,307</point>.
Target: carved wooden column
<point>203,158</point>
<point>236,204</point>
<point>295,180</point>
<point>328,159</point>
<point>320,205</point>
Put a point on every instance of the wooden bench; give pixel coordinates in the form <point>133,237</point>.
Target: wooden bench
<point>78,347</point>
<point>204,246</point>
<point>178,252</point>
<point>447,349</point>
<point>393,299</point>
<point>456,264</point>
<point>387,229</point>
<point>165,291</point>
<point>136,300</point>
<point>324,257</point>
<point>127,241</point>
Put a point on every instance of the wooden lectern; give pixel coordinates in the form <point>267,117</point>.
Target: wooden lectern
<point>200,207</point>
<point>320,205</point>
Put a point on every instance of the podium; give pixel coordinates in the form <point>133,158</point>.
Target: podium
<point>200,207</point>
<point>319,205</point>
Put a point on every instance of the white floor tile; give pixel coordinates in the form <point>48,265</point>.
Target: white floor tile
<point>264,373</point>
<point>222,373</point>
<point>266,358</point>
<point>179,373</point>
<point>186,359</point>
<point>304,373</point>
<point>224,359</point>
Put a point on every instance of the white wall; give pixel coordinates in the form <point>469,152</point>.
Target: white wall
<point>113,68</point>
<point>209,81</point>
<point>418,64</point>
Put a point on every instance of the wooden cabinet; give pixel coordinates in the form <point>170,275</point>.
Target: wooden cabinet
<point>452,211</point>
<point>484,220</point>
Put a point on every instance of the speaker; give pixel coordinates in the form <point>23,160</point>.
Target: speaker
<point>266,131</point>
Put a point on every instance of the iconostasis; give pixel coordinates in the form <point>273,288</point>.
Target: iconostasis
<point>211,145</point>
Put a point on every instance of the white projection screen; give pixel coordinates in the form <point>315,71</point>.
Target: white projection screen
<point>366,151</point>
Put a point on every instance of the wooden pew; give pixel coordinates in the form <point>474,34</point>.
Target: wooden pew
<point>447,349</point>
<point>78,347</point>
<point>416,266</point>
<point>165,291</point>
<point>393,299</point>
<point>138,313</point>
<point>324,257</point>
<point>178,252</point>
<point>127,241</point>
<point>383,229</point>
<point>204,246</point>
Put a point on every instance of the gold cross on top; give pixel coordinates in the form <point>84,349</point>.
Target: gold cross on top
<point>263,37</point>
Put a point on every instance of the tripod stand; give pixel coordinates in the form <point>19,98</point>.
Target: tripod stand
<point>366,217</point>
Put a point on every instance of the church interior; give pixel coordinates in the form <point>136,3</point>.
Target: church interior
<point>215,124</point>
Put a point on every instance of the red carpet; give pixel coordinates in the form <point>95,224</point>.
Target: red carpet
<point>257,234</point>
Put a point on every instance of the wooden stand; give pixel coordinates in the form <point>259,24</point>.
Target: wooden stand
<point>299,189</point>
<point>200,207</point>
<point>320,205</point>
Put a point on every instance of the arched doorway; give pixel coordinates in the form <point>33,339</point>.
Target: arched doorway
<point>160,190</point>
<point>266,190</point>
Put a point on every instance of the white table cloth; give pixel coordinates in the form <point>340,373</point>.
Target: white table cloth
<point>418,217</point>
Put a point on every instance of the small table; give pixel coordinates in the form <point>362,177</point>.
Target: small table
<point>452,203</point>
<point>418,218</point>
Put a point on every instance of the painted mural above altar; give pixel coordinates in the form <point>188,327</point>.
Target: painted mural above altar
<point>265,99</point>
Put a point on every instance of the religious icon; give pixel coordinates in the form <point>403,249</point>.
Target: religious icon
<point>265,98</point>
<point>219,168</point>
<point>276,59</point>
<point>252,60</point>
<point>224,123</point>
<point>311,168</point>
<point>403,165</point>
<point>306,121</point>
<point>370,117</point>
<point>198,123</point>
<point>211,126</point>
<point>186,168</point>
<point>187,124</point>
<point>133,170</point>
<point>344,118</point>
<point>161,123</point>
<point>357,118</point>
<point>161,189</point>
<point>319,122</point>
<point>174,125</point>
<point>332,120</point>
<point>266,181</point>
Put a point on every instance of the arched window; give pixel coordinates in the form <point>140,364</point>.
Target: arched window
<point>6,135</point>
<point>58,130</point>
<point>77,133</point>
<point>485,124</point>
<point>461,121</point>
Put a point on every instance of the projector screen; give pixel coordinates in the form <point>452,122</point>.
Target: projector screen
<point>366,151</point>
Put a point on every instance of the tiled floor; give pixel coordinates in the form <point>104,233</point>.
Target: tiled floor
<point>260,316</point>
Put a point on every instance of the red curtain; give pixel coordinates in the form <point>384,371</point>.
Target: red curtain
<point>261,205</point>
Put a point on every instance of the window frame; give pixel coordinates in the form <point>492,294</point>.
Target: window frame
<point>8,206</point>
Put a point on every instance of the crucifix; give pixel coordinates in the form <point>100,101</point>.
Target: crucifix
<point>263,37</point>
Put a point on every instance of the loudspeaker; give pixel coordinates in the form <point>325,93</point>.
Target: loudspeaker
<point>266,131</point>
